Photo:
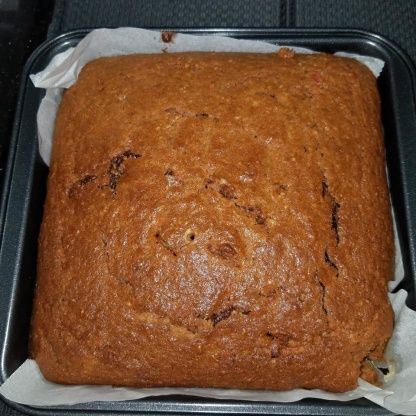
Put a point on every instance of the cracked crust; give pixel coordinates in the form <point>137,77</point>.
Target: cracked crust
<point>239,237</point>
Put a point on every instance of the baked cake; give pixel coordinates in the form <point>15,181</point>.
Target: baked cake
<point>216,220</point>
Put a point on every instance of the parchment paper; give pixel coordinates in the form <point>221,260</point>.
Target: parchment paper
<point>64,68</point>
<point>26,385</point>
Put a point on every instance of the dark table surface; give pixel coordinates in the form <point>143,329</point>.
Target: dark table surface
<point>24,24</point>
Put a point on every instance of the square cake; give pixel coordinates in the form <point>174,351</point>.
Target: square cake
<point>216,220</point>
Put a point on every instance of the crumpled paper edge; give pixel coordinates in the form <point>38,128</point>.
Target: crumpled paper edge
<point>67,65</point>
<point>73,59</point>
<point>17,389</point>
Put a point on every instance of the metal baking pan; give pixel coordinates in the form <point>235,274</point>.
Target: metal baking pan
<point>24,192</point>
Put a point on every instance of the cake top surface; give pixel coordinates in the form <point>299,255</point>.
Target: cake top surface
<point>220,213</point>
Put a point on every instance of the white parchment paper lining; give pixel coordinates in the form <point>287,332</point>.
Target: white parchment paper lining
<point>27,385</point>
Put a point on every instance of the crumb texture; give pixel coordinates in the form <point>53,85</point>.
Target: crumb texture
<point>215,220</point>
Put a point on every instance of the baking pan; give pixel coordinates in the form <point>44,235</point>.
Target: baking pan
<point>24,192</point>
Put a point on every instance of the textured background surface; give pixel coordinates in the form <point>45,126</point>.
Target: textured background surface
<point>181,13</point>
<point>394,19</point>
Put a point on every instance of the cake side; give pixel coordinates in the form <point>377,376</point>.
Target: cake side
<point>215,220</point>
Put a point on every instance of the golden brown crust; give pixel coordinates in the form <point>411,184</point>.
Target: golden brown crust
<point>215,220</point>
